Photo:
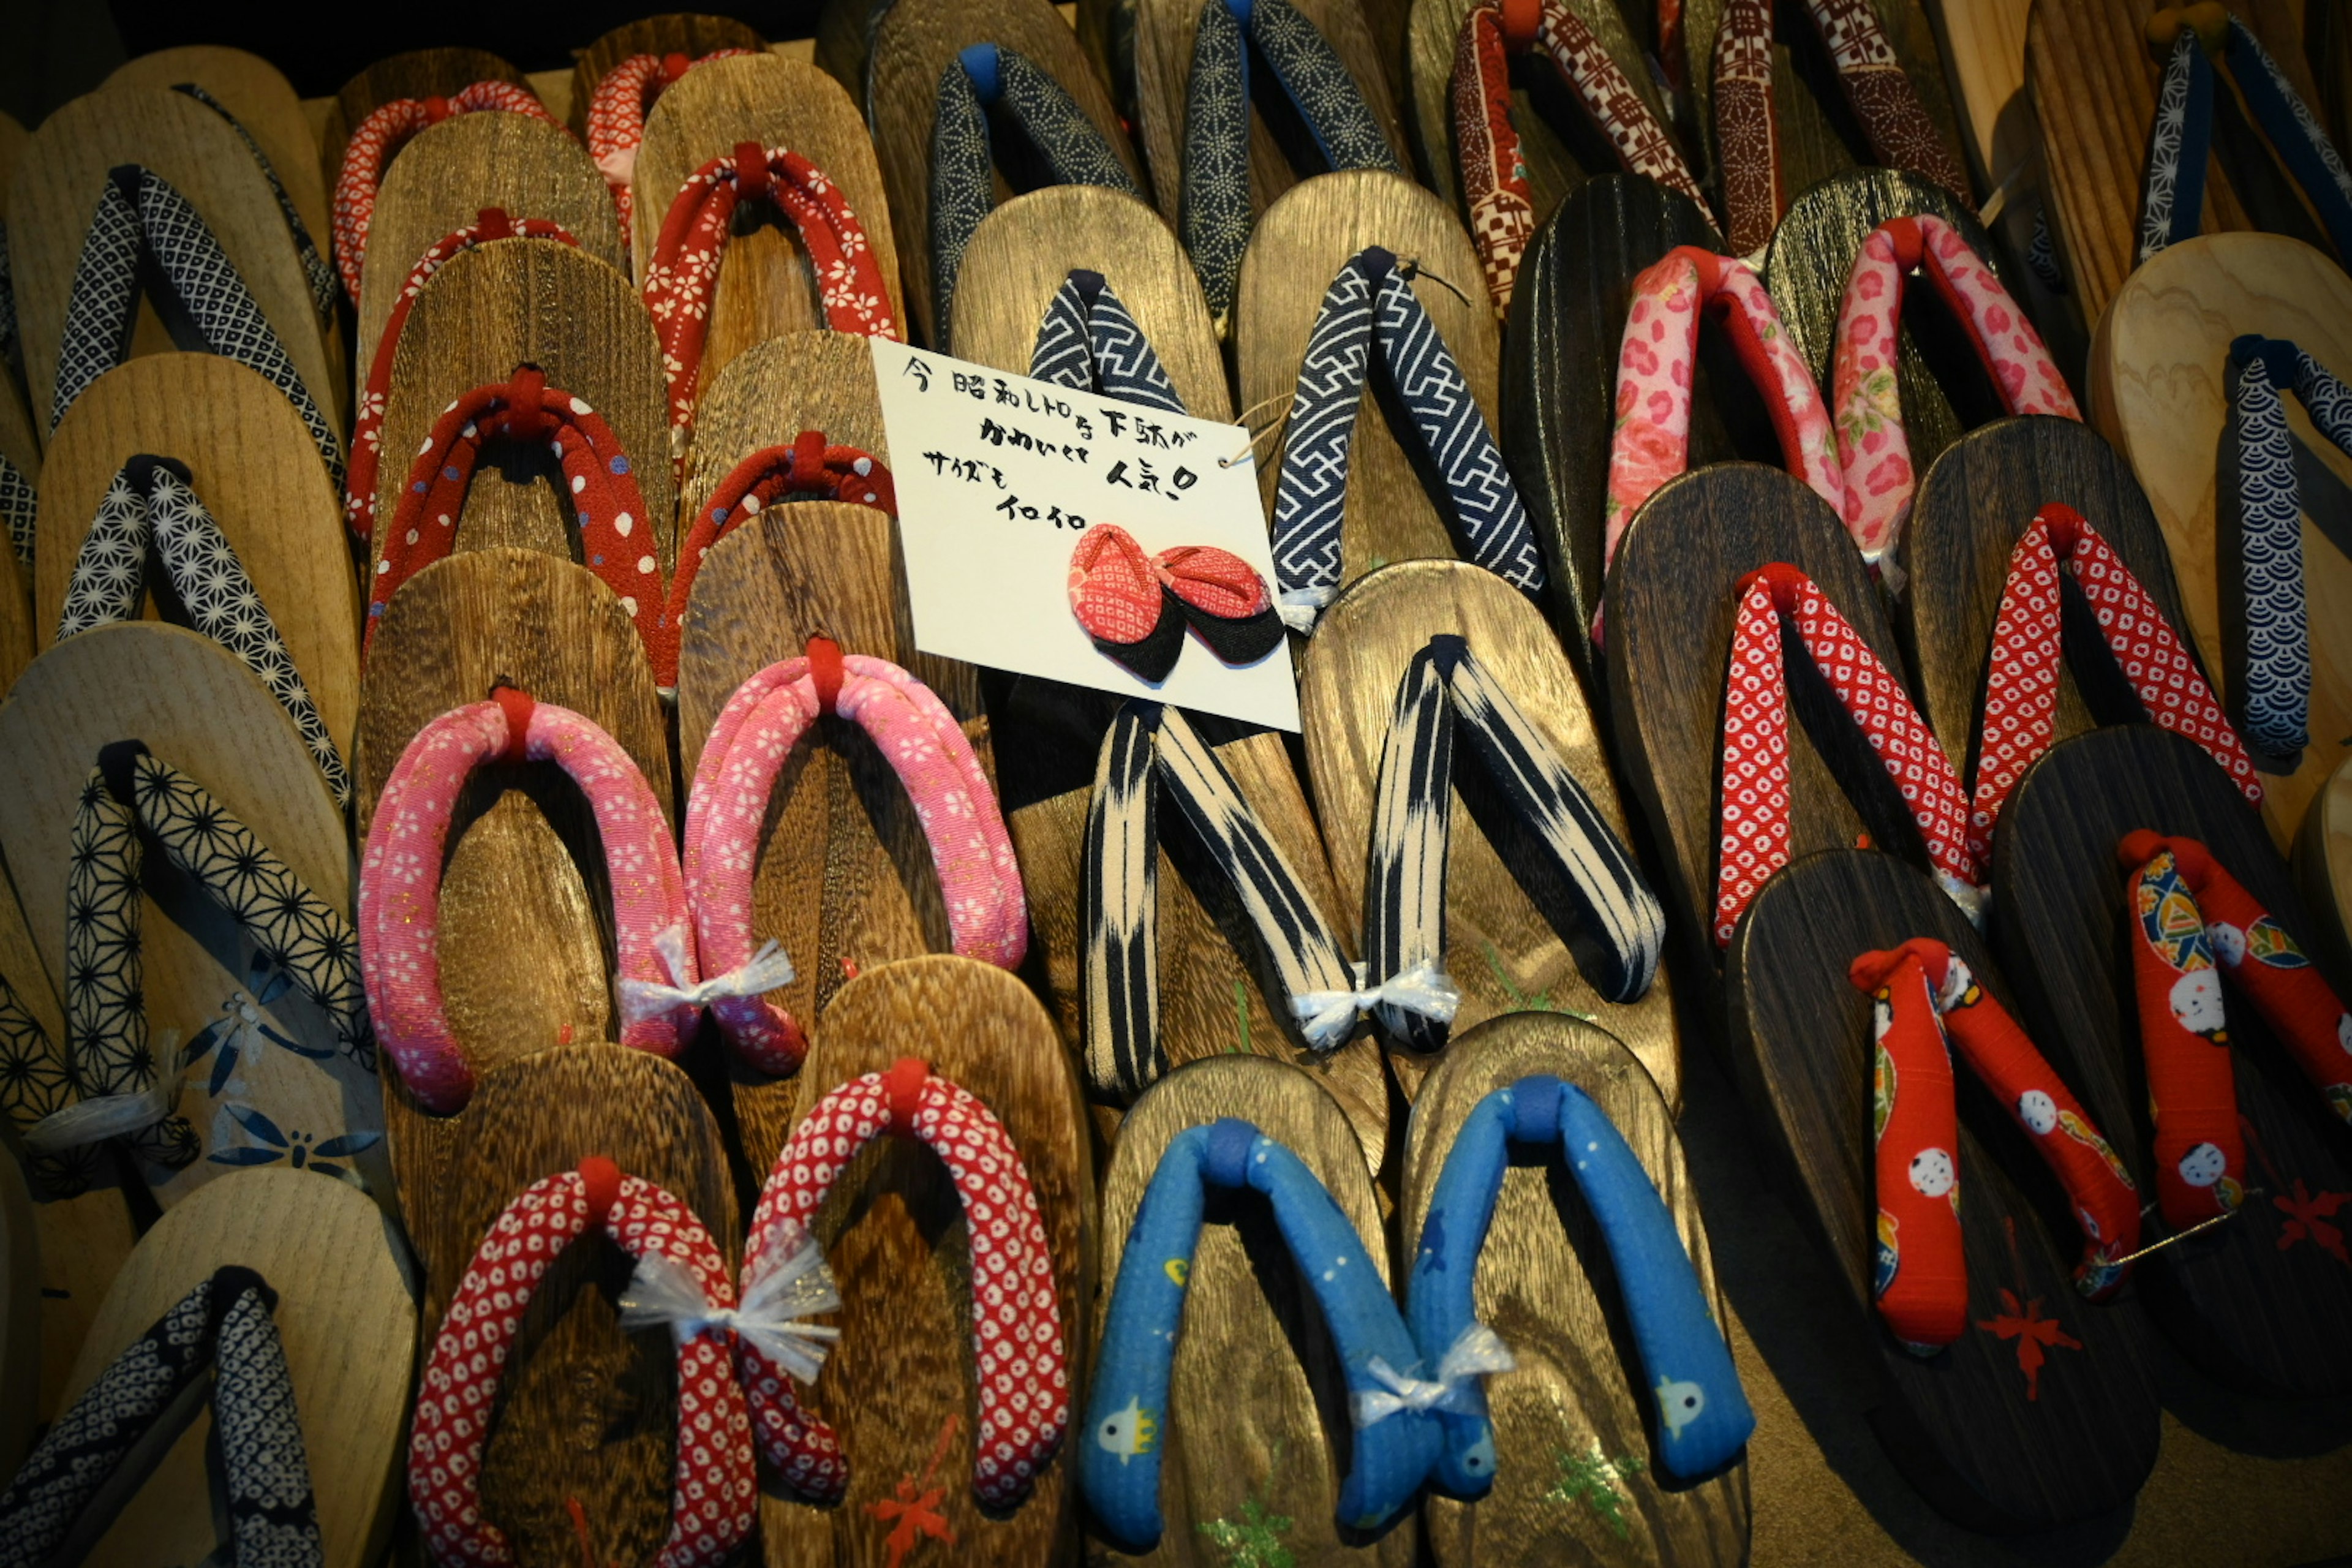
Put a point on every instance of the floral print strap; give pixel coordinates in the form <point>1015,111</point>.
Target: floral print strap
<point>616,116</point>
<point>808,470</point>
<point>377,139</point>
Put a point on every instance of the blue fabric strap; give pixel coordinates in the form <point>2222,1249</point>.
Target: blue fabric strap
<point>1087,341</point>
<point>1126,1409</point>
<point>1699,1412</point>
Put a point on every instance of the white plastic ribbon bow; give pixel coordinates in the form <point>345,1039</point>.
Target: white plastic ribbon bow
<point>1326,1017</point>
<point>762,972</point>
<point>1477,1351</point>
<point>104,1116</point>
<point>1301,608</point>
<point>788,1284</point>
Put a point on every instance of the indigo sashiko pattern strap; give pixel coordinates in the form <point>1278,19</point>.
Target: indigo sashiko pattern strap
<point>1021,1361</point>
<point>808,470</point>
<point>726,814</point>
<point>20,507</point>
<point>377,139</point>
<point>1127,1404</point>
<point>616,116</point>
<point>367,424</point>
<point>1404,890</point>
<point>151,504</point>
<point>1124,1054</point>
<point>316,269</point>
<point>2020,701</point>
<point>399,881</point>
<point>1874,447</point>
<point>2172,200</point>
<point>714,1487</point>
<point>1089,342</point>
<point>1924,1001</point>
<point>1699,1412</point>
<point>682,274</point>
<point>963,171</point>
<point>1214,210</point>
<point>222,1327</point>
<point>2275,692</point>
<point>144,232</point>
<point>1494,184</point>
<point>1754,838</point>
<point>35,1084</point>
<point>1372,301</point>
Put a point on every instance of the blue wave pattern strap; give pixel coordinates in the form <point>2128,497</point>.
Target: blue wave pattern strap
<point>1699,1412</point>
<point>1214,212</point>
<point>981,77</point>
<point>1088,342</point>
<point>1372,301</point>
<point>1126,1409</point>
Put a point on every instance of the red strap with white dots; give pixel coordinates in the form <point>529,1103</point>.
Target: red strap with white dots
<point>383,133</point>
<point>616,116</point>
<point>808,470</point>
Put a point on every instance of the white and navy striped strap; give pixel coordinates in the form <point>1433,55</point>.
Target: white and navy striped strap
<point>1404,893</point>
<point>1088,342</point>
<point>1124,1054</point>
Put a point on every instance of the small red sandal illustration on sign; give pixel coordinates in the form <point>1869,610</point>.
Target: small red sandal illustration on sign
<point>1136,607</point>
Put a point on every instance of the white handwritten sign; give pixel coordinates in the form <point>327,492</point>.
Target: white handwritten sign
<point>998,475</point>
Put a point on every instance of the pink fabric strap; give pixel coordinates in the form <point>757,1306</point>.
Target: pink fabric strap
<point>1874,450</point>
<point>714,1496</point>
<point>748,744</point>
<point>616,116</point>
<point>1022,1366</point>
<point>808,470</point>
<point>400,883</point>
<point>383,135</point>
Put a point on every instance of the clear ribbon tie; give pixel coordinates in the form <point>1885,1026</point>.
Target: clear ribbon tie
<point>1476,1352</point>
<point>786,1285</point>
<point>762,972</point>
<point>1326,1017</point>
<point>105,1116</point>
<point>1301,607</point>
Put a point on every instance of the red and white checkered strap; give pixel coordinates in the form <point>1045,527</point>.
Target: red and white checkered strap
<point>1016,1324</point>
<point>383,135</point>
<point>714,1489</point>
<point>617,110</point>
<point>1754,838</point>
<point>2021,705</point>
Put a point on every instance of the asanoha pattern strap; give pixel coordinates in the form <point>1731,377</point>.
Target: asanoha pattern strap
<point>1494,176</point>
<point>399,881</point>
<point>35,1082</point>
<point>1022,1370</point>
<point>377,139</point>
<point>203,303</point>
<point>316,269</point>
<point>808,470</point>
<point>1088,342</point>
<point>20,507</point>
<point>616,116</point>
<point>1214,210</point>
<point>748,745</point>
<point>1404,892</point>
<point>1754,834</point>
<point>224,1326</point>
<point>151,503</point>
<point>367,427</point>
<point>714,1489</point>
<point>1371,302</point>
<point>1874,447</point>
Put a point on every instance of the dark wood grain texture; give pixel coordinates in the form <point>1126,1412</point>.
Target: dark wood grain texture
<point>687,33</point>
<point>767,395</point>
<point>2323,869</point>
<point>1819,133</point>
<point>417,73</point>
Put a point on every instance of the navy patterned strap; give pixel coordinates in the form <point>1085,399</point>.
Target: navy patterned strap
<point>317,270</point>
<point>20,504</point>
<point>1372,301</point>
<point>984,77</point>
<point>1088,342</point>
<point>224,1324</point>
<point>152,502</point>
<point>1214,212</point>
<point>1623,927</point>
<point>34,1083</point>
<point>201,298</point>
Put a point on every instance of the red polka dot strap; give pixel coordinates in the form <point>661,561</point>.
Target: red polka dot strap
<point>400,881</point>
<point>616,116</point>
<point>1024,1378</point>
<point>367,429</point>
<point>2020,703</point>
<point>808,470</point>
<point>684,269</point>
<point>714,1489</point>
<point>383,133</point>
<point>1754,840</point>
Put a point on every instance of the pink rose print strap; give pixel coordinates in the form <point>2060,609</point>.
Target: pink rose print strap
<point>1753,837</point>
<point>714,1488</point>
<point>684,269</point>
<point>1023,1364</point>
<point>616,116</point>
<point>383,135</point>
<point>808,470</point>
<point>399,881</point>
<point>367,429</point>
<point>748,744</point>
<point>1874,450</point>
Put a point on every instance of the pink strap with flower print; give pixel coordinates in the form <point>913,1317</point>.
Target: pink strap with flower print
<point>714,1488</point>
<point>808,470</point>
<point>367,429</point>
<point>1874,450</point>
<point>616,116</point>
<point>754,736</point>
<point>1024,1380</point>
<point>383,133</point>
<point>399,881</point>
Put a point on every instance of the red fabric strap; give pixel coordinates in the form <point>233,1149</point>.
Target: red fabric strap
<point>376,138</point>
<point>903,1084</point>
<point>807,467</point>
<point>617,109</point>
<point>825,673</point>
<point>518,706</point>
<point>2192,1094</point>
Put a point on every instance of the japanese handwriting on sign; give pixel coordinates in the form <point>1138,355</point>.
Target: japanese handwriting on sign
<point>1142,478</point>
<point>1013,507</point>
<point>971,470</point>
<point>1149,432</point>
<point>1020,441</point>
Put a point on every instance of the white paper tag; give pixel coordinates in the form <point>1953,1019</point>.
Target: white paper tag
<point>998,477</point>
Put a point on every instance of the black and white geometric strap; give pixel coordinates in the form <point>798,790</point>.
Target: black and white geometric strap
<point>1372,301</point>
<point>317,270</point>
<point>1088,342</point>
<point>1404,894</point>
<point>199,295</point>
<point>152,501</point>
<point>34,1083</point>
<point>20,504</point>
<point>1124,1054</point>
<point>224,1324</point>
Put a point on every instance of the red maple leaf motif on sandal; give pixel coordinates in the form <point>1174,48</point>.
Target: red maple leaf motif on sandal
<point>2306,1219</point>
<point>917,1506</point>
<point>2033,1333</point>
